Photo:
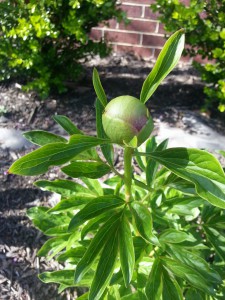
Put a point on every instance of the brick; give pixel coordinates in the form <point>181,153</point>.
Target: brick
<point>132,11</point>
<point>96,34</point>
<point>122,37</point>
<point>149,14</point>
<point>161,29</point>
<point>138,1</point>
<point>139,26</point>
<point>140,52</point>
<point>110,24</point>
<point>152,40</point>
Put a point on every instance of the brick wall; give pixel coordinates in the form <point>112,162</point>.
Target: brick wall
<point>143,36</point>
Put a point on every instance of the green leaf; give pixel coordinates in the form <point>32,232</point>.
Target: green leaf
<point>65,188</point>
<point>154,285</point>
<point>94,224</point>
<point>126,247</point>
<point>90,154</point>
<point>195,262</point>
<point>189,274</point>
<point>166,61</point>
<point>57,230</point>
<point>95,208</point>
<point>38,161</point>
<point>41,138</point>
<point>105,267</point>
<point>65,277</point>
<point>70,203</point>
<point>84,296</point>
<point>143,219</point>
<point>192,294</point>
<point>107,149</point>
<point>171,289</point>
<point>183,206</point>
<point>43,220</point>
<point>96,245</point>
<point>216,239</point>
<point>98,88</point>
<point>53,246</point>
<point>88,169</point>
<point>199,167</point>
<point>173,236</point>
<point>93,185</point>
<point>62,277</point>
<point>67,125</point>
<point>72,255</point>
<point>152,165</point>
<point>180,184</point>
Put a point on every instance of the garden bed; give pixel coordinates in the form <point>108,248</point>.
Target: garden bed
<point>181,92</point>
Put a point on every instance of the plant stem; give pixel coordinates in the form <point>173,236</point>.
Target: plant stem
<point>128,172</point>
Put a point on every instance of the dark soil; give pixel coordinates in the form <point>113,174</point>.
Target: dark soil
<point>19,240</point>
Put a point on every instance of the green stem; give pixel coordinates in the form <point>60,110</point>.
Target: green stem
<point>128,172</point>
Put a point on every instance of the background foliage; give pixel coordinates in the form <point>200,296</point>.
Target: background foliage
<point>42,41</point>
<point>205,35</point>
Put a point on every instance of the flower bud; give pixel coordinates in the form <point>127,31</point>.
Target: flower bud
<point>125,117</point>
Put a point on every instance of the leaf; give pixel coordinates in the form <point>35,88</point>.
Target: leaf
<point>65,277</point>
<point>90,154</point>
<point>180,184</point>
<point>171,289</point>
<point>153,288</point>
<point>65,188</point>
<point>173,236</point>
<point>94,224</point>
<point>62,277</point>
<point>67,125</point>
<point>216,239</point>
<point>53,246</point>
<point>57,230</point>
<point>189,274</point>
<point>96,245</point>
<point>152,165</point>
<point>72,255</point>
<point>195,262</point>
<point>166,61</point>
<point>199,167</point>
<point>192,294</point>
<point>71,203</point>
<point>93,185</point>
<point>43,220</point>
<point>183,206</point>
<point>105,267</point>
<point>95,208</point>
<point>38,161</point>
<point>107,149</point>
<point>41,138</point>
<point>98,88</point>
<point>143,220</point>
<point>126,248</point>
<point>87,169</point>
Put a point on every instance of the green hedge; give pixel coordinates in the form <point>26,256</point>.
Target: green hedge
<point>41,42</point>
<point>204,22</point>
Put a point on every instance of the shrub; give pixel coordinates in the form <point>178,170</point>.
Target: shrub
<point>205,35</point>
<point>41,42</point>
<point>154,235</point>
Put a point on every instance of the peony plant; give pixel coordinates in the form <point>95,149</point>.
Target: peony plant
<point>156,233</point>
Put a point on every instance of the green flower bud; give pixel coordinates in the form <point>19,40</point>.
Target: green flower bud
<point>125,117</point>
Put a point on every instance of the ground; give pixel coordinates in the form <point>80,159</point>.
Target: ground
<point>19,240</point>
